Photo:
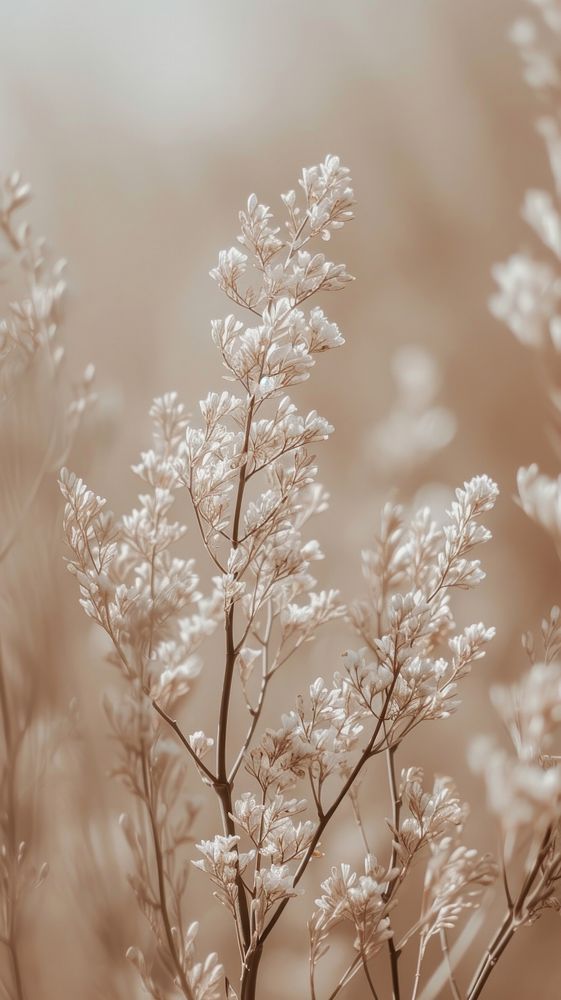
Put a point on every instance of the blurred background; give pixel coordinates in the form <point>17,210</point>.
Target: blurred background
<point>143,128</point>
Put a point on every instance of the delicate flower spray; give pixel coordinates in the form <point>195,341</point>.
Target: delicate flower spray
<point>40,415</point>
<point>248,469</point>
<point>523,782</point>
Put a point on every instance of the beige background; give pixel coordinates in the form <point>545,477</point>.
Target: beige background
<point>143,128</point>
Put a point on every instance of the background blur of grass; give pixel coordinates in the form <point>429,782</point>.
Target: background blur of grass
<point>143,128</point>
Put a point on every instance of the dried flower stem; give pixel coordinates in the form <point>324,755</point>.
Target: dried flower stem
<point>494,952</point>
<point>162,895</point>
<point>445,951</point>
<point>368,976</point>
<point>433,988</point>
<point>417,979</point>
<point>396,809</point>
<point>355,805</point>
<point>11,893</point>
<point>513,919</point>
<point>30,345</point>
<point>174,725</point>
<point>348,974</point>
<point>223,786</point>
<point>266,675</point>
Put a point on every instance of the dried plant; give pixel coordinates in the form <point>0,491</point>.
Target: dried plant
<point>251,480</point>
<point>40,417</point>
<point>529,288</point>
<point>523,782</point>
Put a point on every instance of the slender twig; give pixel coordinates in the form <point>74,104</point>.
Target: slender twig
<point>316,795</point>
<point>12,750</point>
<point>513,919</point>
<point>172,723</point>
<point>223,787</point>
<point>494,952</point>
<point>256,712</point>
<point>368,976</point>
<point>394,953</point>
<point>26,505</point>
<point>420,956</point>
<point>504,875</point>
<point>348,974</point>
<point>433,988</point>
<point>161,879</point>
<point>445,951</point>
<point>358,819</point>
<point>16,969</point>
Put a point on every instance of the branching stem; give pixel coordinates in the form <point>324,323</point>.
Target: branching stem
<point>394,953</point>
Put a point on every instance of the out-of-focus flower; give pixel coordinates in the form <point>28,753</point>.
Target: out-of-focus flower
<point>540,498</point>
<point>524,796</point>
<point>527,299</point>
<point>415,426</point>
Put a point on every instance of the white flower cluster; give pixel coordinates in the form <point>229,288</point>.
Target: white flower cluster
<point>528,296</point>
<point>30,335</point>
<point>540,66</point>
<point>431,815</point>
<point>455,879</point>
<point>223,863</point>
<point>251,479</point>
<point>248,470</point>
<point>33,322</point>
<point>406,619</point>
<point>139,592</point>
<point>130,583</point>
<point>203,979</point>
<point>358,899</point>
<point>388,687</point>
<point>455,876</point>
<point>529,288</point>
<point>524,788</point>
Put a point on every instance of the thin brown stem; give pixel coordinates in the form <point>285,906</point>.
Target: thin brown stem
<point>27,504</point>
<point>221,767</point>
<point>504,875</point>
<point>445,951</point>
<point>172,723</point>
<point>180,972</point>
<point>12,749</point>
<point>223,785</point>
<point>417,979</point>
<point>492,956</point>
<point>368,976</point>
<point>16,969</point>
<point>358,820</point>
<point>249,974</point>
<point>514,918</point>
<point>394,952</point>
<point>4,708</point>
<point>256,713</point>
<point>345,979</point>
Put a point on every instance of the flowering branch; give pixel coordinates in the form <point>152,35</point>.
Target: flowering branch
<point>251,479</point>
